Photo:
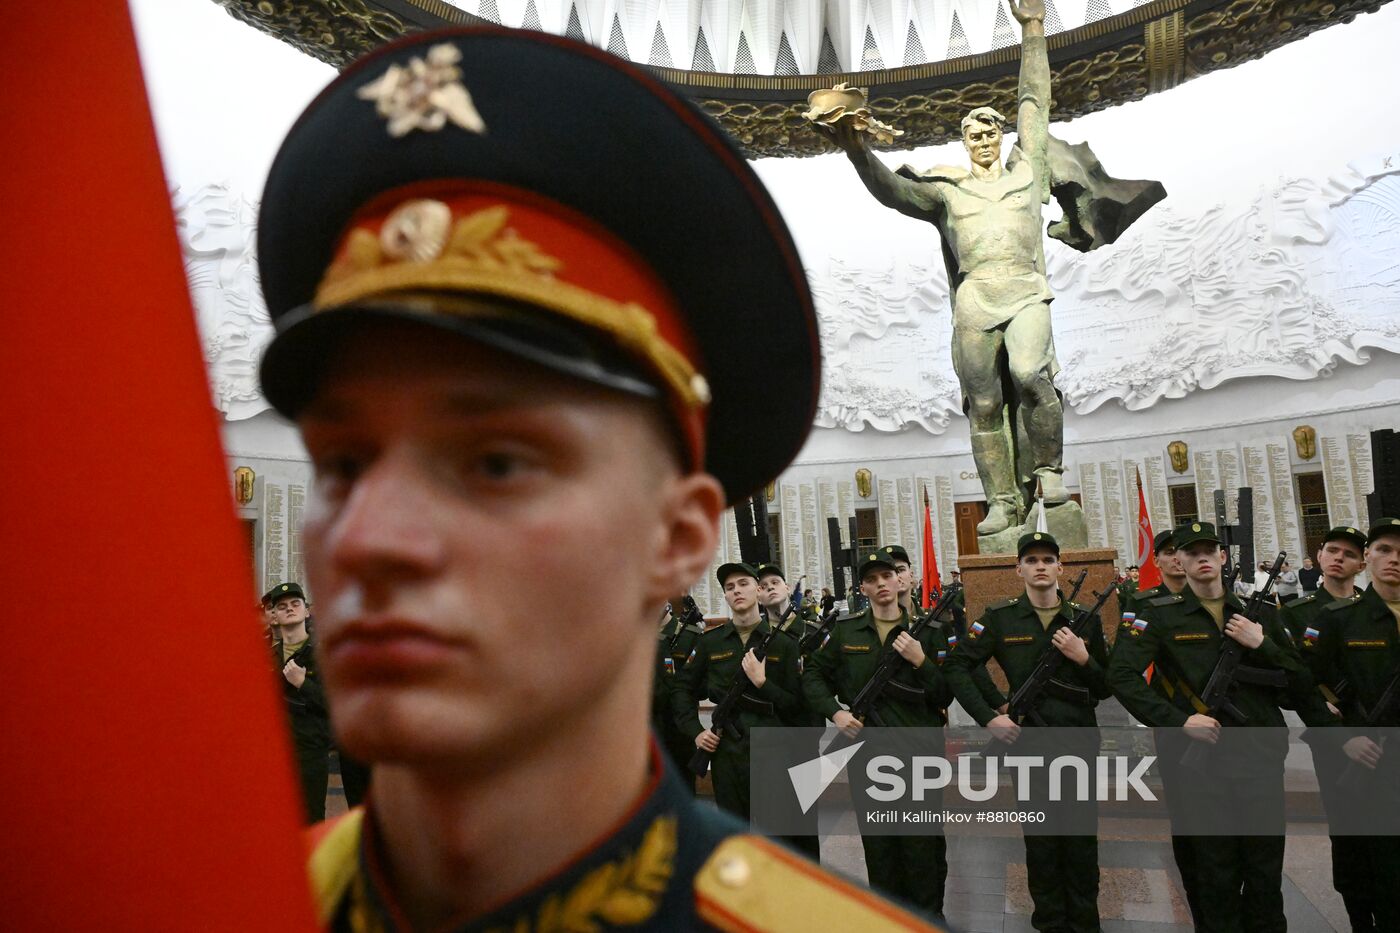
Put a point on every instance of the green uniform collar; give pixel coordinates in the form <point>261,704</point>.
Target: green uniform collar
<point>867,618</point>
<point>1190,602</point>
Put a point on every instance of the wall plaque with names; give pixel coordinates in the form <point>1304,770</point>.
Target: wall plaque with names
<point>1231,479</point>
<point>296,504</point>
<point>947,527</point>
<point>1207,482</point>
<point>1362,480</point>
<point>811,554</point>
<point>274,534</point>
<point>908,526</point>
<point>826,508</point>
<point>1091,501</point>
<point>1257,478</point>
<point>1115,512</point>
<point>793,555</point>
<point>1154,477</point>
<point>1336,476</point>
<point>1286,524</point>
<point>889,512</point>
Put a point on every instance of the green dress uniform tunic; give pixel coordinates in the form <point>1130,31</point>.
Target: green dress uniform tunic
<point>1357,652</point>
<point>1235,877</point>
<point>1062,872</point>
<point>1172,787</point>
<point>803,629</point>
<point>311,727</point>
<point>912,868</point>
<point>709,673</point>
<point>674,644</point>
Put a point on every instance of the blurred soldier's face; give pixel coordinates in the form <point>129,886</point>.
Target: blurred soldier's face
<point>1202,561</point>
<point>983,143</point>
<point>1340,560</point>
<point>881,586</point>
<point>1040,568</point>
<point>441,468</point>
<point>772,591</point>
<point>1169,562</point>
<point>289,611</point>
<point>1383,560</point>
<point>905,575</point>
<point>741,592</point>
<point>1133,574</point>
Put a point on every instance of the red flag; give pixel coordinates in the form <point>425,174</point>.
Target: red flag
<point>931,586</point>
<point>148,781</point>
<point>1148,574</point>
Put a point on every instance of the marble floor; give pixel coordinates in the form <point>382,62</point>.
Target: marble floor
<point>1139,888</point>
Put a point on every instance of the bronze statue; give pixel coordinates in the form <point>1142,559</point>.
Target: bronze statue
<point>989,216</point>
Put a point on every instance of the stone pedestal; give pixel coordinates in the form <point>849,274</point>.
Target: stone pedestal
<point>988,578</point>
<point>1065,521</point>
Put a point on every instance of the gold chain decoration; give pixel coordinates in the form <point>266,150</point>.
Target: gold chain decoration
<point>618,894</point>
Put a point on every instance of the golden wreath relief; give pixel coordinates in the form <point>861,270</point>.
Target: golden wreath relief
<point>830,106</point>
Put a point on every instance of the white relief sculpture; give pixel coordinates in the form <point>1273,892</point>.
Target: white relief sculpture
<point>1301,279</point>
<point>217,230</point>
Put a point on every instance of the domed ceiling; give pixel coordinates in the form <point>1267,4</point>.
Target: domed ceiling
<point>751,63</point>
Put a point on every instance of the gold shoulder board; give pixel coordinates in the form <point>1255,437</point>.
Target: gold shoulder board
<point>752,884</point>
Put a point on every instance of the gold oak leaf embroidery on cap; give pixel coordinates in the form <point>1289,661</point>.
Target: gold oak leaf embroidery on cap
<point>425,94</point>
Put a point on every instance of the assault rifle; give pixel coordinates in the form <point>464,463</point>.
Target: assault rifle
<point>1024,703</point>
<point>891,662</point>
<point>689,615</point>
<point>725,719</point>
<point>1354,778</point>
<point>813,639</point>
<point>1230,669</point>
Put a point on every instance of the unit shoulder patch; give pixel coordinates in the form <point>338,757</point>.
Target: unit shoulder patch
<point>1166,600</point>
<point>753,878</point>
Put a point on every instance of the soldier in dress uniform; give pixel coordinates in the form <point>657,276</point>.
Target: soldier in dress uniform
<point>773,697</point>
<point>803,625</point>
<point>946,624</point>
<point>675,643</point>
<point>1062,871</point>
<point>1181,636</point>
<point>774,595</point>
<point>913,868</point>
<point>1169,562</point>
<point>1356,656</point>
<point>523,296</point>
<point>294,654</point>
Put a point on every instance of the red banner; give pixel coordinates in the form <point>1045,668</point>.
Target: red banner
<point>929,561</point>
<point>1148,574</point>
<point>148,780</point>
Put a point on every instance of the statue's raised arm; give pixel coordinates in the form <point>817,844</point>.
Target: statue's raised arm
<point>1033,94</point>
